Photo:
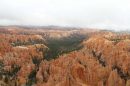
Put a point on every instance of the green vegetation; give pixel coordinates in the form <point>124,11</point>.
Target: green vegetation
<point>60,46</point>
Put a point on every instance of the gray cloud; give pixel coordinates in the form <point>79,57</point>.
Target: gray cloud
<point>110,14</point>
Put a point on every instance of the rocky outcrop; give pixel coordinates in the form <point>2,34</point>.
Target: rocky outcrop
<point>115,80</point>
<point>115,56</point>
<point>74,69</point>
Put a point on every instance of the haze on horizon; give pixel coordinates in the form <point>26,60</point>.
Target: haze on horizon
<point>109,14</point>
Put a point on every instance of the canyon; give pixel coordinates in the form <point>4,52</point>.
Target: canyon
<point>63,56</point>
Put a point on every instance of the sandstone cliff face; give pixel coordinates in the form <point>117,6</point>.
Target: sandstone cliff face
<point>115,56</point>
<point>17,63</point>
<point>74,69</point>
<point>115,80</point>
<point>124,45</point>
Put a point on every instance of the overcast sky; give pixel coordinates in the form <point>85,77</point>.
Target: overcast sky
<point>112,14</point>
